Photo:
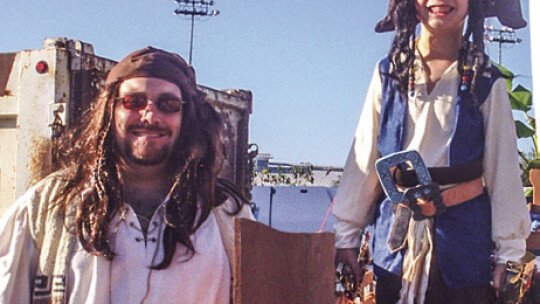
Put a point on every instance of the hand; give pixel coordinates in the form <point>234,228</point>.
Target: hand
<point>349,256</point>
<point>498,277</point>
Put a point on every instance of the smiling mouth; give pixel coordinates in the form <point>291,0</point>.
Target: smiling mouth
<point>149,134</point>
<point>440,9</point>
<point>151,131</point>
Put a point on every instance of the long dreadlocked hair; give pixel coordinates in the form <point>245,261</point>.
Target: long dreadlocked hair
<point>86,155</point>
<point>402,53</point>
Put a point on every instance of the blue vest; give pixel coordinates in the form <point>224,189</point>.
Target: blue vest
<point>462,238</point>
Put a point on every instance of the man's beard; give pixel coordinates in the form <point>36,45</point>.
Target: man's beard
<point>143,153</point>
<point>146,157</point>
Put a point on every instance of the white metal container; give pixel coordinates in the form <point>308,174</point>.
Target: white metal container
<point>44,91</point>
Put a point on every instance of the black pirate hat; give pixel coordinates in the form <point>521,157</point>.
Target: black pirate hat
<point>507,11</point>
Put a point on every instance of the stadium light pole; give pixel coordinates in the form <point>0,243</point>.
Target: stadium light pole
<point>194,8</point>
<point>501,36</point>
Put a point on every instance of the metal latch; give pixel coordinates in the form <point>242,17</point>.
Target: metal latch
<point>57,114</point>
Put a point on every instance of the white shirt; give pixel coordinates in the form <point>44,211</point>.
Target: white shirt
<point>205,278</point>
<point>429,128</point>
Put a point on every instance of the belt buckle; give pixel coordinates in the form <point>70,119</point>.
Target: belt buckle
<point>427,189</point>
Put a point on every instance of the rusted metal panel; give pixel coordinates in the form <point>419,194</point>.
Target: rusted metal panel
<point>274,267</point>
<point>234,107</point>
<point>87,82</point>
<point>85,75</point>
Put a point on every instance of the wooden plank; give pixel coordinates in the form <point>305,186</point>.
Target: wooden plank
<point>275,267</point>
<point>534,178</point>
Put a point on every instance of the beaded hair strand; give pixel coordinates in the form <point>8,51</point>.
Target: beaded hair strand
<point>402,53</point>
<point>96,212</point>
<point>471,58</point>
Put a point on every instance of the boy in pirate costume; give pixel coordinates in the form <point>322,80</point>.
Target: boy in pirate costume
<point>136,212</point>
<point>437,94</point>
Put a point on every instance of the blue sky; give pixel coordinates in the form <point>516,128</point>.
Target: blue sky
<point>308,63</point>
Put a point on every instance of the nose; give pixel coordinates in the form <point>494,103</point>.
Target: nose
<point>148,112</point>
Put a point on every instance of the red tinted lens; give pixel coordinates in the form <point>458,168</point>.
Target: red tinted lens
<point>169,104</point>
<point>134,102</point>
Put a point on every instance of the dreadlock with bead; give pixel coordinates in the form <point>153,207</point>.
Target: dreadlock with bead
<point>471,58</point>
<point>87,157</point>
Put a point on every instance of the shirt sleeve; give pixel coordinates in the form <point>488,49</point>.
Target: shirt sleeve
<point>359,189</point>
<point>510,217</point>
<point>18,255</point>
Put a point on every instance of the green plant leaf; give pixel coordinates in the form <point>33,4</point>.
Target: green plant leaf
<point>521,99</point>
<point>523,96</point>
<point>529,192</point>
<point>523,131</point>
<point>508,75</point>
<point>516,103</point>
<point>535,163</point>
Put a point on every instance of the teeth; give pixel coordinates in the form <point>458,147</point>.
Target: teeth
<point>151,135</point>
<point>441,9</point>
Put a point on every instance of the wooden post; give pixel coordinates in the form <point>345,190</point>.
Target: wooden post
<point>534,177</point>
<point>533,241</point>
<point>274,267</point>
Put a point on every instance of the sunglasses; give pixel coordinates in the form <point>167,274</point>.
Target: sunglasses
<point>165,103</point>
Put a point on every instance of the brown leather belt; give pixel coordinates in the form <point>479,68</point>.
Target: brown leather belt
<point>451,196</point>
<point>442,175</point>
<point>468,185</point>
<point>455,195</point>
<point>463,192</point>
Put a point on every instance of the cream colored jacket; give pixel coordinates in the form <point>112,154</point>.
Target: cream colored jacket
<point>33,227</point>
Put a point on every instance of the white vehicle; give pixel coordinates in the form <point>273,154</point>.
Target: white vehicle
<point>45,91</point>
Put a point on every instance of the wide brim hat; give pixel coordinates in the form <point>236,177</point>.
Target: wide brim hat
<point>507,11</point>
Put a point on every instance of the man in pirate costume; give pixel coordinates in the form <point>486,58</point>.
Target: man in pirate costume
<point>135,213</point>
<point>437,94</point>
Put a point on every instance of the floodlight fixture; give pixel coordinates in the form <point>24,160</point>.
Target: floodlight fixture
<point>192,8</point>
